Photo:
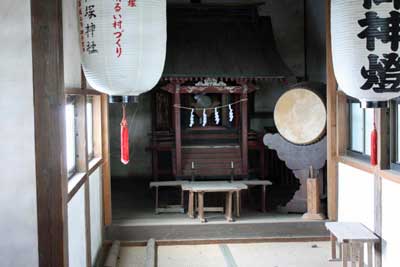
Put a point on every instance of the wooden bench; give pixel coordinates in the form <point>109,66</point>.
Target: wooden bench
<point>169,208</point>
<point>200,188</point>
<point>263,184</point>
<point>351,237</point>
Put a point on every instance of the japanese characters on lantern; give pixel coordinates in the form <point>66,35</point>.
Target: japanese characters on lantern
<point>117,24</point>
<point>365,49</point>
<point>123,44</point>
<point>383,73</point>
<point>87,9</point>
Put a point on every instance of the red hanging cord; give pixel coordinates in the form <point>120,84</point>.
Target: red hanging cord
<point>124,138</point>
<point>374,147</point>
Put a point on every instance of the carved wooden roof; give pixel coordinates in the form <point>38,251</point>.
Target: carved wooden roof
<point>225,42</point>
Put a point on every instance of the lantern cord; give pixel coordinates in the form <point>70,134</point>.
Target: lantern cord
<point>219,107</point>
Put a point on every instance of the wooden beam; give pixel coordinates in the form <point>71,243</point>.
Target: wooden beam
<point>331,123</point>
<point>106,161</point>
<point>245,147</point>
<point>342,129</point>
<point>177,126</point>
<point>75,183</point>
<point>79,91</point>
<point>236,89</point>
<point>49,103</point>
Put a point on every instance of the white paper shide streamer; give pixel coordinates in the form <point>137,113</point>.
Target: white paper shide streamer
<point>216,116</point>
<point>204,122</point>
<point>191,123</point>
<point>123,44</point>
<point>230,113</point>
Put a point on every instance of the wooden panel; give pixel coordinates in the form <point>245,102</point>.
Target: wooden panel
<point>162,115</point>
<point>106,161</point>
<point>49,101</point>
<point>331,122</point>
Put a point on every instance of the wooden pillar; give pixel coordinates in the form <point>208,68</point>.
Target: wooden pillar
<point>106,173</point>
<point>332,187</point>
<point>245,149</point>
<point>49,106</point>
<point>177,124</point>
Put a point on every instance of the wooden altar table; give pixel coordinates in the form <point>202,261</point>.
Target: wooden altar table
<point>200,188</point>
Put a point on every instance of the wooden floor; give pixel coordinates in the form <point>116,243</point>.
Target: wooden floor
<point>301,254</point>
<point>134,220</point>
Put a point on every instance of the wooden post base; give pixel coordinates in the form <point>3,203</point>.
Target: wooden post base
<point>314,216</point>
<point>313,201</point>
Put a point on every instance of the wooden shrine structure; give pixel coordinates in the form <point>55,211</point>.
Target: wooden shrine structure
<point>215,53</point>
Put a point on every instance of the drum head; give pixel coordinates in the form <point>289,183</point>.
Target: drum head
<point>300,116</point>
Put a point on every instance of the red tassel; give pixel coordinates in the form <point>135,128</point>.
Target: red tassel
<point>374,147</point>
<point>124,138</point>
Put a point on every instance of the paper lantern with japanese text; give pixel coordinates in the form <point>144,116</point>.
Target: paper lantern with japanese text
<point>365,48</point>
<point>123,44</point>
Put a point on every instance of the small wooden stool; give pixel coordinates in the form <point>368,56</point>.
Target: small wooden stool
<point>351,238</point>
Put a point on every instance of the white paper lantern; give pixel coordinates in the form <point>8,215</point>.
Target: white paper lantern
<point>365,47</point>
<point>123,44</point>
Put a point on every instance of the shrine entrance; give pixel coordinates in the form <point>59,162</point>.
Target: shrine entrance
<point>208,127</point>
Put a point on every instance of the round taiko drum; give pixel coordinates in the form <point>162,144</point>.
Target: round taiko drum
<point>300,116</point>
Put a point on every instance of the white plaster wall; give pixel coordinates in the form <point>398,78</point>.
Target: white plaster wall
<point>390,224</point>
<point>77,230</point>
<point>96,214</point>
<point>18,219</point>
<point>72,65</point>
<point>356,196</point>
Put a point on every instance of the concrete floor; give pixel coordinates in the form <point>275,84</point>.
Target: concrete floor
<point>302,254</point>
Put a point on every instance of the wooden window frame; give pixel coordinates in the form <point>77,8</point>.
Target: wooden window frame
<point>349,152</point>
<point>85,164</point>
<point>393,131</point>
<point>73,171</point>
<point>91,155</point>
